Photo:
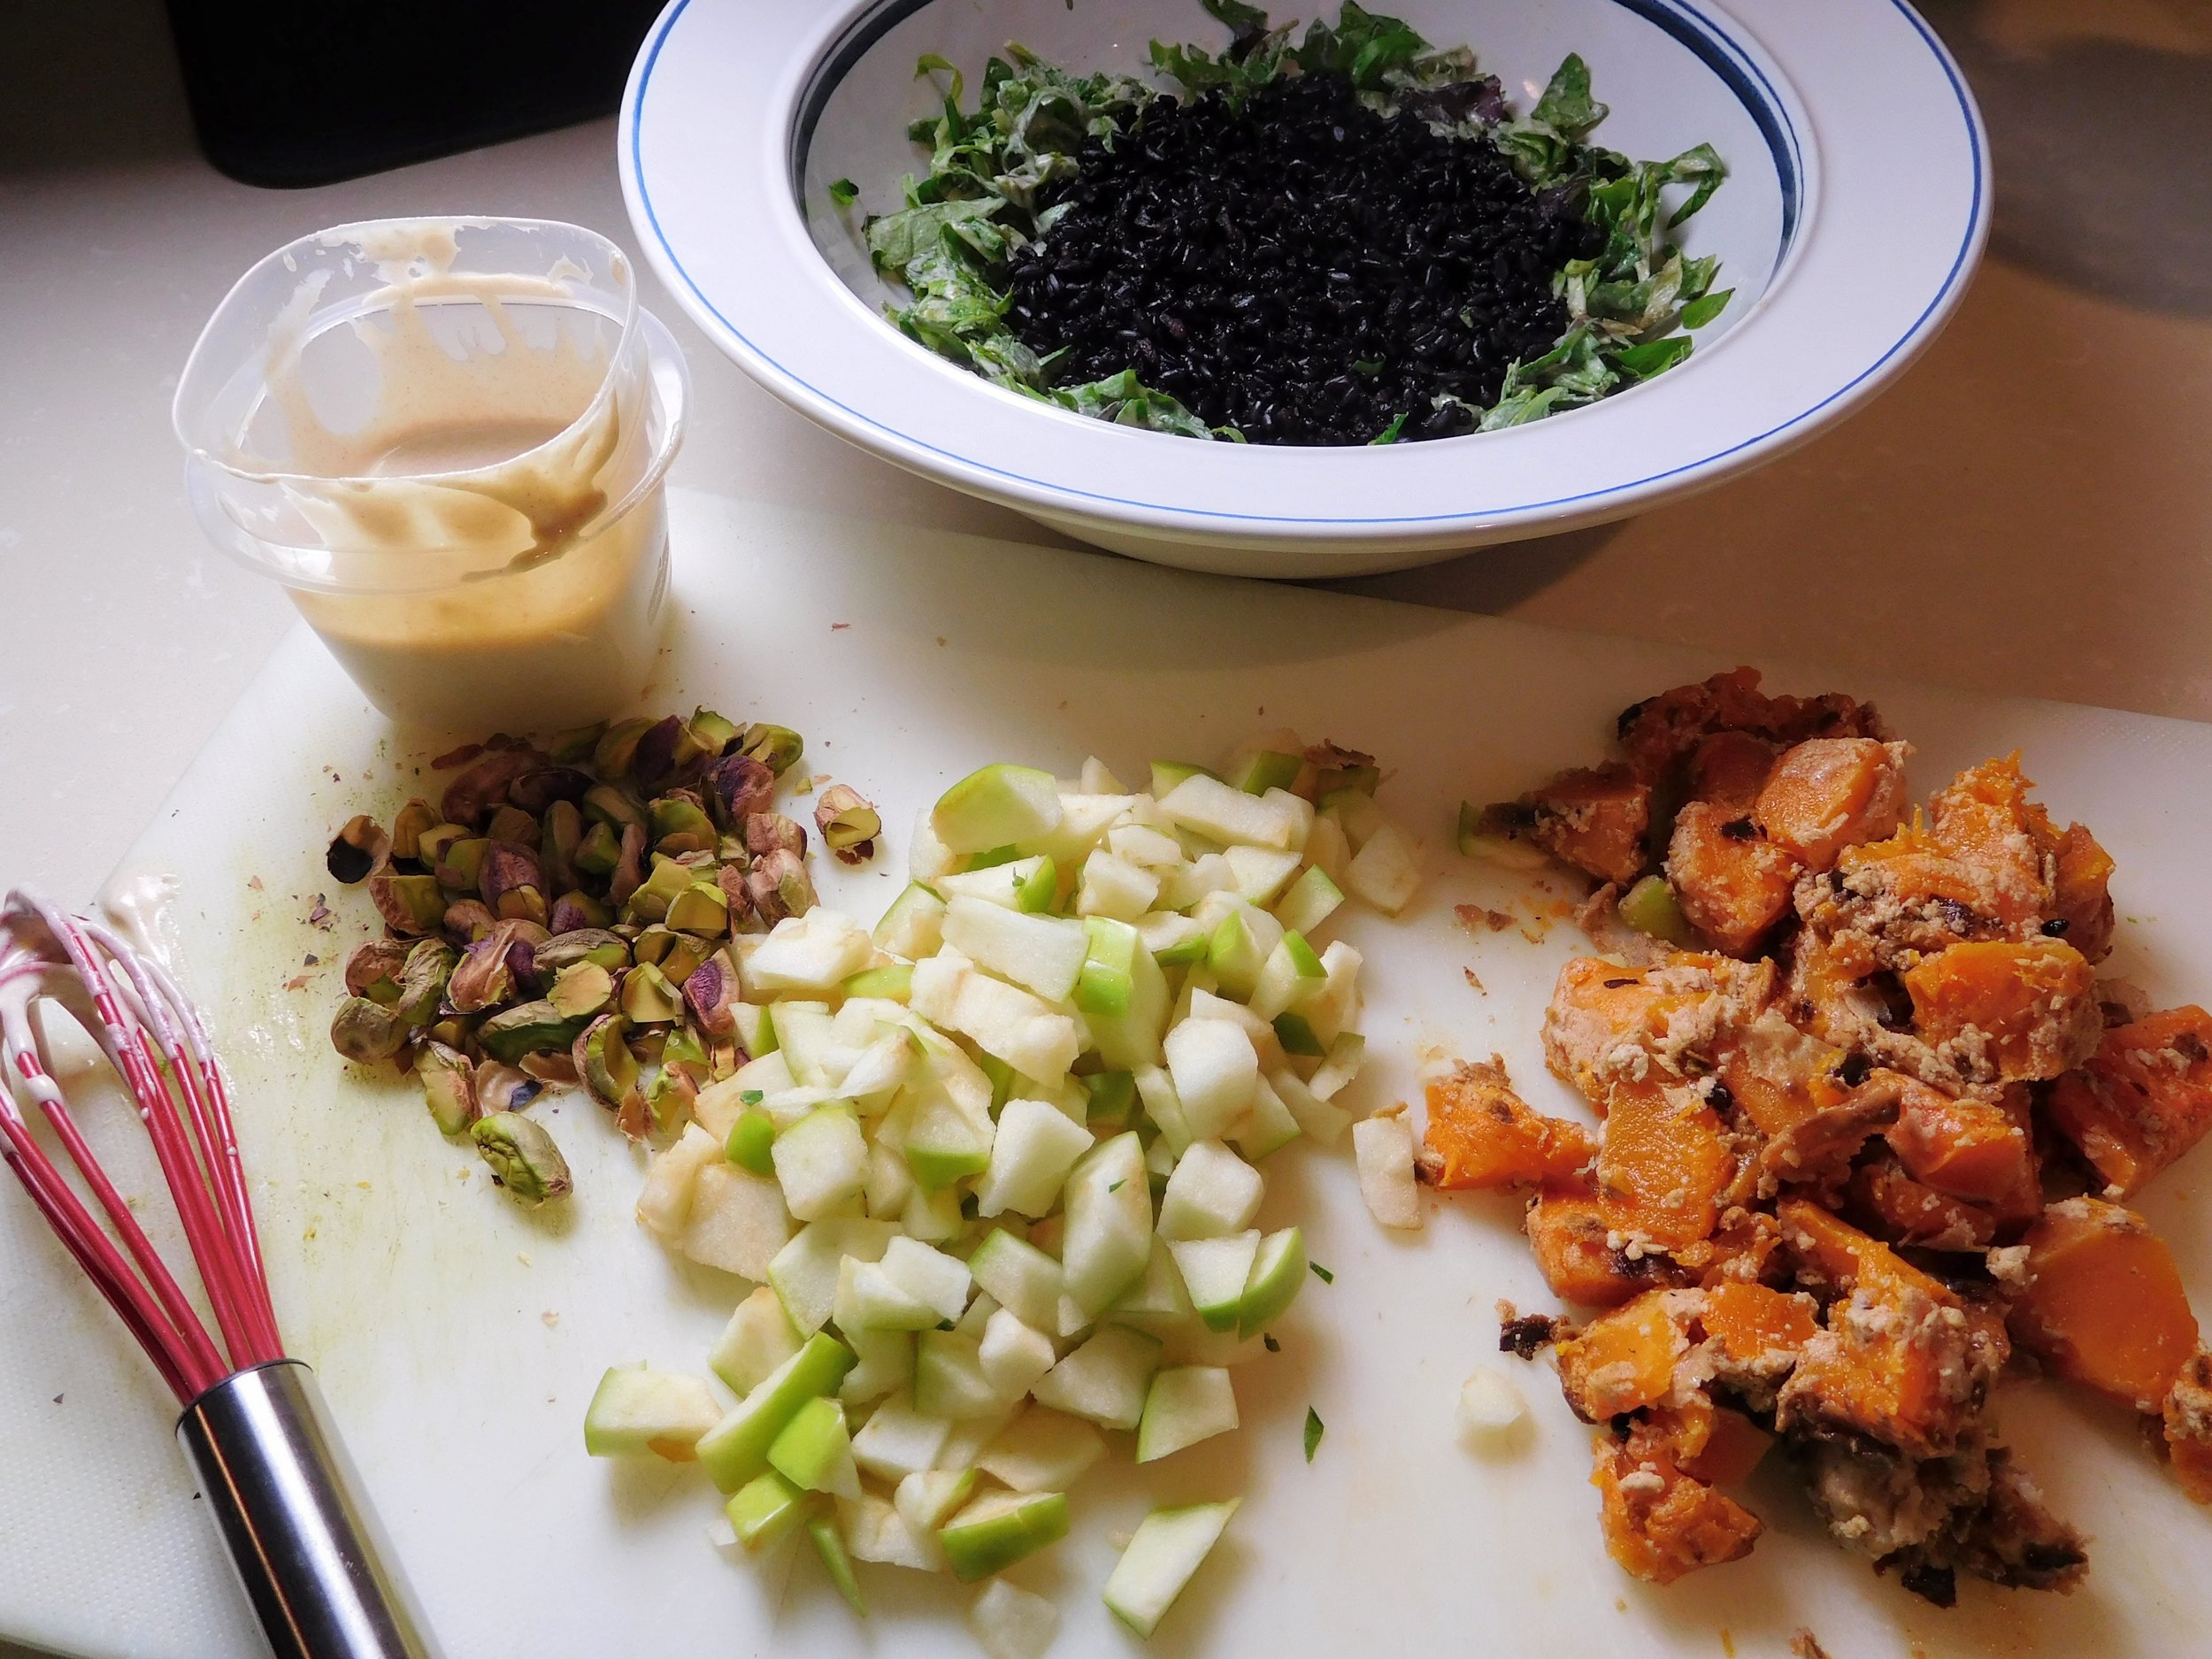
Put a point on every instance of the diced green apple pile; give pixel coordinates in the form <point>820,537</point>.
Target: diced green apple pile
<point>995,1167</point>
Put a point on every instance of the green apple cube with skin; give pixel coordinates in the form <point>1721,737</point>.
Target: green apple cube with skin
<point>1036,1148</point>
<point>1336,1005</point>
<point>1186,1404</point>
<point>933,1216</point>
<point>887,982</point>
<point>886,1365</point>
<point>1044,954</point>
<point>737,1221</point>
<point>971,1435</point>
<point>1108,1228</point>
<point>926,1499</point>
<point>1321,1120</point>
<point>1164,1106</point>
<point>805,1272</point>
<point>821,1162</point>
<point>1112,886</point>
<point>1163,1554</point>
<point>806,1032</point>
<point>1131,1038</point>
<point>869,1299</point>
<point>948,1379</point>
<point>1355,813</point>
<point>1346,1053</point>
<point>1214,1272</point>
<point>1312,899</point>
<point>897,1440</point>
<point>1028,885</point>
<point>1239,947</point>
<point>1386,872</point>
<point>829,1544</point>
<point>1011,1623</point>
<point>1043,1450</point>
<point>736,1449</point>
<point>941,1282</point>
<point>814,1451</point>
<point>874,1530</point>
<point>1215,1068</point>
<point>913,926</point>
<point>1013,1355</point>
<point>996,806</point>
<point>1262,872</point>
<point>767,1510</point>
<point>946,1141</point>
<point>764,1075</point>
<point>1278,1273</point>
<point>758,1337</point>
<point>1169,937</point>
<point>1292,974</point>
<point>1327,850</point>
<point>637,1409</point>
<point>1096,777</point>
<point>664,1203</point>
<point>812,954</point>
<point>749,1140</point>
<point>1104,985</point>
<point>1212,1194</point>
<point>1383,1148</point>
<point>1157,1303</point>
<point>1268,1127</point>
<point>1020,1276</point>
<point>1104,1379</point>
<point>1000,1528</point>
<point>1223,813</point>
<point>882,1069</point>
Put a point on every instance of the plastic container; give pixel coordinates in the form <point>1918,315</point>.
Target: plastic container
<point>447,439</point>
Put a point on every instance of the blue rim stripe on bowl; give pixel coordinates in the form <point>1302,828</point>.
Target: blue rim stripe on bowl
<point>1975,151</point>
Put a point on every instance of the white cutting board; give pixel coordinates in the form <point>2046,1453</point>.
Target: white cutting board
<point>428,1301</point>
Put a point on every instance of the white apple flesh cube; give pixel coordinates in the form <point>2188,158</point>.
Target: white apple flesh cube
<point>637,1409</point>
<point>1043,1450</point>
<point>1163,1554</point>
<point>927,857</point>
<point>1114,886</point>
<point>1261,873</point>
<point>948,1379</point>
<point>1268,1127</point>
<point>912,927</point>
<point>1292,976</point>
<point>1346,1055</point>
<point>1185,1405</point>
<point>1012,1355</point>
<point>822,1161</point>
<point>1036,1148</point>
<point>929,1497</point>
<point>889,1180</point>
<point>1156,1089</point>
<point>1084,821</point>
<point>873,1530</point>
<point>816,952</point>
<point>1323,1121</point>
<point>1002,885</point>
<point>1157,1304</point>
<point>1109,1232</point>
<point>1386,870</point>
<point>1215,1068</point>
<point>1240,946</point>
<point>932,1216</point>
<point>869,1299</point>
<point>1383,1148</point>
<point>758,1337</point>
<point>1213,808</point>
<point>1328,850</point>
<point>1103,1380</point>
<point>1044,954</point>
<point>664,1203</point>
<point>1214,1272</point>
<point>939,1282</point>
<point>805,1271</point>
<point>737,1221</point>
<point>1020,1276</point>
<point>898,1440</point>
<point>1185,886</point>
<point>1213,1193</point>
<point>1011,1623</point>
<point>1144,847</point>
<point>883,1363</point>
<point>996,806</point>
<point>1004,1021</point>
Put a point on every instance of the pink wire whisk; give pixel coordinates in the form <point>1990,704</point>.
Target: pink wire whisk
<point>308,1551</point>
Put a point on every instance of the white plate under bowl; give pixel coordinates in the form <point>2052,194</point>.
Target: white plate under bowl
<point>1856,211</point>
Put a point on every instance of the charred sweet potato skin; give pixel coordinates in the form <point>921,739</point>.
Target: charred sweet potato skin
<point>1732,885</point>
<point>1594,819</point>
<point>1481,1134</point>
<point>1660,1523</point>
<point>2142,1101</point>
<point>2104,1305</point>
<point>1830,793</point>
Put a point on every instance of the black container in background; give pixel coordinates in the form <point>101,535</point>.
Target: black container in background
<point>298,92</point>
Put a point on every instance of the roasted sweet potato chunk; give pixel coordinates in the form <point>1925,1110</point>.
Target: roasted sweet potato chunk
<point>1731,883</point>
<point>2081,885</point>
<point>1607,1022</point>
<point>1830,793</point>
<point>2143,1099</point>
<point>1969,1149</point>
<point>1831,1252</point>
<point>2104,1306</point>
<point>1753,1325</point>
<point>1482,1135</point>
<point>1595,819</point>
<point>1897,1366</point>
<point>1898,1209</point>
<point>2188,1420</point>
<point>1778,1075</point>
<point>1665,1161</point>
<point>1624,1360</point>
<point>1983,819</point>
<point>1730,768</point>
<point>2000,1011</point>
<point>1660,1523</point>
<point>1571,1235</point>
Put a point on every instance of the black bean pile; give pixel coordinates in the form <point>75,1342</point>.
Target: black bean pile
<point>1302,269</point>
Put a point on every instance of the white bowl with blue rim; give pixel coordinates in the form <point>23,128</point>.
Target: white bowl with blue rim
<point>1854,213</point>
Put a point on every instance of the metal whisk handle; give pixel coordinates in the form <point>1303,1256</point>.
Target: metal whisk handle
<point>307,1546</point>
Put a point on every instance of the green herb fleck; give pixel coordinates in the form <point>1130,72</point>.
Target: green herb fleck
<point>1389,434</point>
<point>844,192</point>
<point>1322,1273</point>
<point>752,1096</point>
<point>1314,1432</point>
<point>1115,1186</point>
<point>1703,309</point>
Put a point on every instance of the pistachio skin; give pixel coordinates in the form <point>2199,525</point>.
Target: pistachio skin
<point>522,1156</point>
<point>367,1032</point>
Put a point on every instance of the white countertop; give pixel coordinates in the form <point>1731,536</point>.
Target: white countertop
<point>2027,511</point>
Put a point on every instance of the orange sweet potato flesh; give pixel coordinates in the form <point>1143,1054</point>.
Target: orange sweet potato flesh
<point>2104,1305</point>
<point>1975,1149</point>
<point>1731,884</point>
<point>1600,1012</point>
<point>1841,1254</point>
<point>2188,1421</point>
<point>1983,819</point>
<point>1660,1522</point>
<point>1735,1447</point>
<point>1751,1321</point>
<point>2008,1012</point>
<point>2144,1098</point>
<point>1830,793</point>
<point>1903,1211</point>
<point>1624,1360</point>
<point>1594,819</point>
<point>1778,1075</point>
<point>1570,1233</point>
<point>1730,768</point>
<point>1665,1161</point>
<point>1482,1135</point>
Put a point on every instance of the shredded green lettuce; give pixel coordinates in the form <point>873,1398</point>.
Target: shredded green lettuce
<point>992,170</point>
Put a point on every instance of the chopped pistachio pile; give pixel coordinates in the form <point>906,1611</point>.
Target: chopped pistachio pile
<point>561,916</point>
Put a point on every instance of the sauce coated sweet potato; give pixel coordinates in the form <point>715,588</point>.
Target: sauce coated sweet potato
<point>1570,1236</point>
<point>1661,1522</point>
<point>1606,1022</point>
<point>1975,1149</point>
<point>1753,1323</point>
<point>1730,768</point>
<point>1625,1359</point>
<point>1902,1210</point>
<point>1779,1076</point>
<point>1830,793</point>
<point>1482,1135</point>
<point>1594,819</point>
<point>1664,1163</point>
<point>1732,884</point>
<point>2104,1305</point>
<point>2188,1422</point>
<point>2001,1011</point>
<point>2142,1100</point>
